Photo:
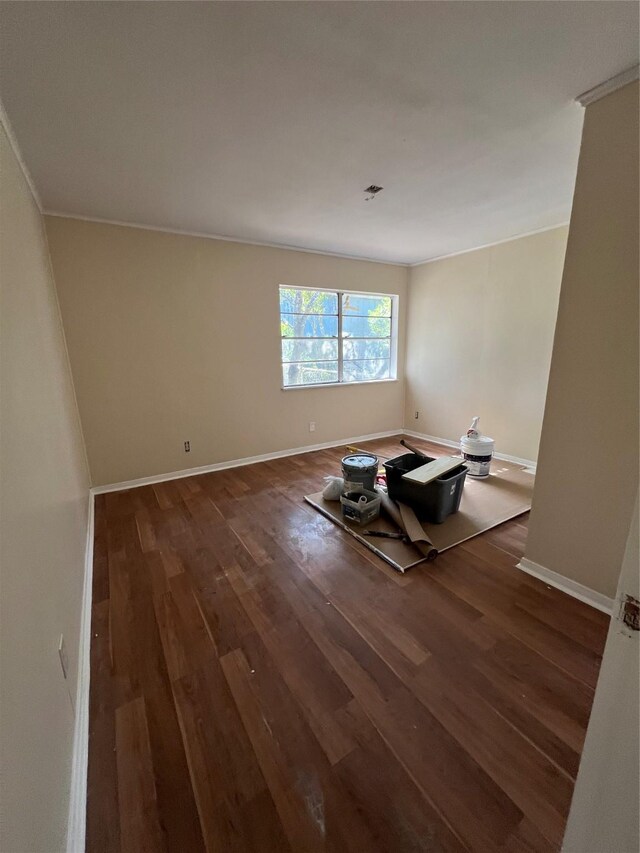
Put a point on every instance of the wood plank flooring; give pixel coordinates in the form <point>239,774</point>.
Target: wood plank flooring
<point>260,681</point>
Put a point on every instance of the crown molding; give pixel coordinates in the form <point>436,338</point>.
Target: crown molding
<point>611,85</point>
<point>13,142</point>
<point>58,214</point>
<point>489,245</point>
<point>203,235</point>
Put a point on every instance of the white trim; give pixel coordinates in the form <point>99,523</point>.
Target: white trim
<point>338,384</point>
<point>333,290</point>
<point>445,442</point>
<point>238,463</point>
<point>489,245</point>
<point>76,827</point>
<point>13,142</point>
<point>58,214</point>
<point>572,588</point>
<point>608,86</point>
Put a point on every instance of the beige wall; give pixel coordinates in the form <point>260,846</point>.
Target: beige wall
<point>175,338</point>
<point>43,518</point>
<point>588,463</point>
<point>479,336</point>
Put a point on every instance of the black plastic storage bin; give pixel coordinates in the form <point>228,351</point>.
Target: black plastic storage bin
<point>433,502</point>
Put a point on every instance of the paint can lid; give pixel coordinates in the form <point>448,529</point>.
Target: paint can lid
<point>360,461</point>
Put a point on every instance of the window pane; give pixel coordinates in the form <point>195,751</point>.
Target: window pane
<point>360,371</point>
<point>373,348</point>
<point>296,301</point>
<point>308,326</point>
<point>309,373</point>
<point>366,306</point>
<point>309,350</point>
<point>366,327</point>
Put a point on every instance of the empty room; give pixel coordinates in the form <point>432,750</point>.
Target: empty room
<point>319,440</point>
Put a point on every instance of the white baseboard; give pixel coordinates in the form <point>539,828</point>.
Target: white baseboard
<point>76,828</point>
<point>573,588</point>
<point>527,463</point>
<point>238,463</point>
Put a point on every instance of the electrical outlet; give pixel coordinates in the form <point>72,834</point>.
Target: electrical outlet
<point>187,447</point>
<point>64,657</point>
<point>312,426</point>
<point>417,415</point>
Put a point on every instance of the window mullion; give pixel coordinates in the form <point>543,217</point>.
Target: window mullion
<point>340,358</point>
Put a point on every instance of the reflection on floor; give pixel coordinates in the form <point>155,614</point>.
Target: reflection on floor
<point>262,682</point>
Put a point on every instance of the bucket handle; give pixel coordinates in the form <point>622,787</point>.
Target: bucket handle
<point>412,449</point>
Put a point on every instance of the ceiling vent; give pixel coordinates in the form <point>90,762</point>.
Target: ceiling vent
<point>372,191</point>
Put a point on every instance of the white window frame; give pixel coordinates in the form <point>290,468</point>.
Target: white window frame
<point>340,383</point>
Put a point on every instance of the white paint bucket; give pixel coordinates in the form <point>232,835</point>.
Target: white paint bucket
<point>477,452</point>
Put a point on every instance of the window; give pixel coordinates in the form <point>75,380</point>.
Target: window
<point>331,337</point>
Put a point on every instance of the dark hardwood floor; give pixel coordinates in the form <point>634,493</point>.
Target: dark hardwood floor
<point>262,682</point>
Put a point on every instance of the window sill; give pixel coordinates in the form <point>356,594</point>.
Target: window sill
<point>336,384</point>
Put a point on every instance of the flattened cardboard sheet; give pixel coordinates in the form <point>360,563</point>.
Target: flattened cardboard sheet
<point>504,494</point>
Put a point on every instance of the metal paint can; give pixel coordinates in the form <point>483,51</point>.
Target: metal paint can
<point>359,471</point>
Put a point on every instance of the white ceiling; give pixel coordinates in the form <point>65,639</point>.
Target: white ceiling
<point>265,121</point>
